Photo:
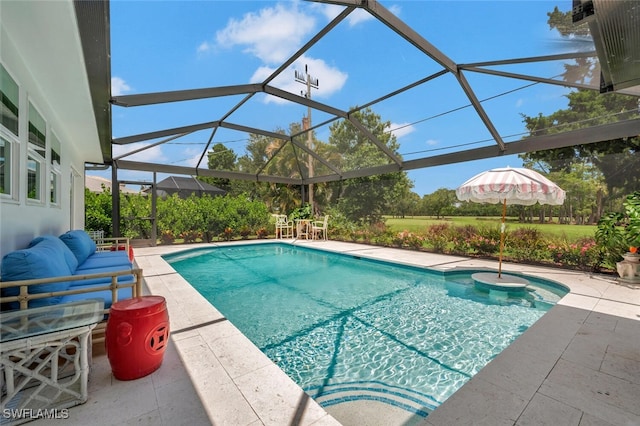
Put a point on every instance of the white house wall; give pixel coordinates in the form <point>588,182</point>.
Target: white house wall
<point>50,75</point>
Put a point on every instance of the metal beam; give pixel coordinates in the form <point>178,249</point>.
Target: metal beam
<point>248,129</point>
<point>406,32</point>
<point>605,132</point>
<point>531,78</point>
<point>384,148</point>
<point>309,151</point>
<point>192,171</point>
<point>529,59</point>
<point>144,148</point>
<point>163,133</point>
<point>402,89</point>
<point>478,107</point>
<point>304,101</point>
<point>184,95</point>
<point>309,44</point>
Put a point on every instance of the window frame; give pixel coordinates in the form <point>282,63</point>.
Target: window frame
<point>55,171</point>
<point>36,154</point>
<point>11,194</point>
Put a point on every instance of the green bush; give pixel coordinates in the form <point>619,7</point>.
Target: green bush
<point>617,232</point>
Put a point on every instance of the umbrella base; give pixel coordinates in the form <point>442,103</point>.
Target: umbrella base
<point>490,281</point>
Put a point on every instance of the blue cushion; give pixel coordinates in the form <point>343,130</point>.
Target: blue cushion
<point>103,259</point>
<point>69,257</point>
<point>123,293</point>
<point>80,244</point>
<point>44,260</point>
<point>104,280</point>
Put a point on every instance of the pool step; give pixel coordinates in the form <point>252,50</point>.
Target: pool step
<point>406,399</point>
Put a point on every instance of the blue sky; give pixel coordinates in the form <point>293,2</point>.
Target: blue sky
<point>170,45</point>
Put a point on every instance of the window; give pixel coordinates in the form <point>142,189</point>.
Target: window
<point>9,101</point>
<point>9,94</point>
<point>35,154</point>
<point>5,166</point>
<point>55,172</point>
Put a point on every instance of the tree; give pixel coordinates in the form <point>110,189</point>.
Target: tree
<point>617,160</point>
<point>97,211</point>
<point>365,198</point>
<point>439,201</point>
<point>272,156</point>
<point>220,158</point>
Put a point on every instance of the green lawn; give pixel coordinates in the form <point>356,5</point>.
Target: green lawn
<point>420,223</point>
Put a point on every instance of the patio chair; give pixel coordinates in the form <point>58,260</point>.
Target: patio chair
<point>284,227</point>
<point>319,226</point>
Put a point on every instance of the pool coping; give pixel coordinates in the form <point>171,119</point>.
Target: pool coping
<point>239,385</point>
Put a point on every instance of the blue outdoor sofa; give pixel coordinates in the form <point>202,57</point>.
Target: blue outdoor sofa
<point>68,268</point>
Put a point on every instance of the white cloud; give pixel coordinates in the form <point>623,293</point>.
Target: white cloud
<point>358,16</point>
<point>272,34</point>
<point>151,155</point>
<point>204,47</point>
<point>396,9</point>
<point>519,103</point>
<point>191,157</point>
<point>400,129</point>
<point>432,142</point>
<point>330,79</point>
<point>119,86</point>
<point>330,11</point>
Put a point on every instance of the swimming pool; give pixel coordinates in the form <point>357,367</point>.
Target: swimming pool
<point>350,329</point>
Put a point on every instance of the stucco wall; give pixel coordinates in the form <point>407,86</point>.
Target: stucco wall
<point>21,220</point>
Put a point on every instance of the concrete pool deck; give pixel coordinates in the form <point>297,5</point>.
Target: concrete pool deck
<point>578,365</point>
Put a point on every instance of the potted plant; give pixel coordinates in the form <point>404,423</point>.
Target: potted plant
<point>632,255</point>
<point>619,232</point>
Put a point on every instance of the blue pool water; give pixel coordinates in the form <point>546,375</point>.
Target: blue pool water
<point>346,328</point>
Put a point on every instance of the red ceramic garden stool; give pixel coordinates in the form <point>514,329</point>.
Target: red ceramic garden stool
<point>137,335</point>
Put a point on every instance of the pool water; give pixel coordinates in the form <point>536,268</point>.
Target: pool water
<point>348,329</point>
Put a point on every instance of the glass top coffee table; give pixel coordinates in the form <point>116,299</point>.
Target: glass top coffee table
<point>44,356</point>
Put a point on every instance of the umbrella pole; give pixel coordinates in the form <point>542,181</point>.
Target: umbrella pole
<point>504,213</point>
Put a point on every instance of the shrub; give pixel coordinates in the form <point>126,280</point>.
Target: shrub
<point>408,239</point>
<point>190,236</point>
<point>526,244</point>
<point>438,236</point>
<point>617,232</point>
<point>582,253</point>
<point>244,232</point>
<point>483,245</point>
<point>460,237</point>
<point>167,237</point>
<point>378,233</point>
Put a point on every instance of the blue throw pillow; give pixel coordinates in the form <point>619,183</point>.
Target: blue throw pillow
<point>43,260</point>
<point>80,244</point>
<point>69,257</point>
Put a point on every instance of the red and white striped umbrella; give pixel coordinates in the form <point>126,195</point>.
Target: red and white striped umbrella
<point>510,186</point>
<point>513,185</point>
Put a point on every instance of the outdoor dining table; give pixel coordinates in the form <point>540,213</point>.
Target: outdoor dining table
<point>303,228</point>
